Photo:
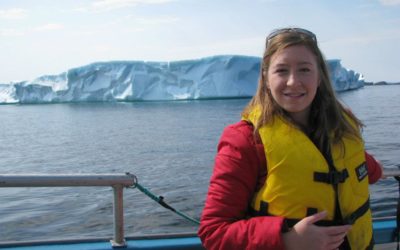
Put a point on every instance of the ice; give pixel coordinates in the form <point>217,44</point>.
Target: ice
<point>216,77</point>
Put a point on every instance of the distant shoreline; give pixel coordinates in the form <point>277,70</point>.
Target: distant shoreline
<point>382,83</point>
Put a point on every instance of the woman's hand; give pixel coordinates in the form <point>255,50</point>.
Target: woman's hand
<point>306,235</point>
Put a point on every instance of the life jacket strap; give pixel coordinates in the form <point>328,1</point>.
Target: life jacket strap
<point>332,177</point>
<point>351,219</point>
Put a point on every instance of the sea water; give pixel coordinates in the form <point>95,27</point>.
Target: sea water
<point>169,146</point>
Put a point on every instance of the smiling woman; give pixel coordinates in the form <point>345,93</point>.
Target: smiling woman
<point>293,81</point>
<point>294,137</point>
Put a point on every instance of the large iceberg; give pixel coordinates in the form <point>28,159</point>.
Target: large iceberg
<point>217,77</point>
<point>342,78</point>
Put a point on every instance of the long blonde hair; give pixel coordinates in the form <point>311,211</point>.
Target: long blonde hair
<point>327,119</point>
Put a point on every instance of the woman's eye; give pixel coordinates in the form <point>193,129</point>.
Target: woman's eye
<point>305,70</point>
<point>281,70</point>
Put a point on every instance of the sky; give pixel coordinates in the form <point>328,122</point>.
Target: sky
<point>48,37</point>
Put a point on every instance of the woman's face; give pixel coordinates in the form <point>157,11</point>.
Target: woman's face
<point>293,80</point>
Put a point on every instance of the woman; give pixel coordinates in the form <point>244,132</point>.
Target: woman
<point>292,173</point>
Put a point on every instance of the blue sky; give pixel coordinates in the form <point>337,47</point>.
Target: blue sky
<point>39,37</point>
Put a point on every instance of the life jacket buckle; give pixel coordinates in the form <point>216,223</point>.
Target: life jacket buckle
<point>335,177</point>
<point>332,177</point>
<point>350,220</point>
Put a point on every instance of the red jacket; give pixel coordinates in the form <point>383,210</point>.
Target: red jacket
<point>239,171</point>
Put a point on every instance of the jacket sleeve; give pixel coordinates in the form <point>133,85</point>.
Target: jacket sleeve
<point>374,168</point>
<point>224,224</point>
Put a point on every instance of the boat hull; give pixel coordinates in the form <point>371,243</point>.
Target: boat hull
<point>384,231</point>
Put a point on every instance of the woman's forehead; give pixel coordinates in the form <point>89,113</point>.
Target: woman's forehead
<point>297,53</point>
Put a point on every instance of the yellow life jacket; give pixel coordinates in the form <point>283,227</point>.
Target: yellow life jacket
<point>300,183</point>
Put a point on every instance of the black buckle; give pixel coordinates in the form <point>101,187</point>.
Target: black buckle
<point>333,177</point>
<point>350,219</point>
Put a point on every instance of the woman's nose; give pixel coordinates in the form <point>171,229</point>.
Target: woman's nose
<point>293,79</point>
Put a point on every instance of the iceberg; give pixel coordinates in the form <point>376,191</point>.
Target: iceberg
<point>344,79</point>
<point>216,77</point>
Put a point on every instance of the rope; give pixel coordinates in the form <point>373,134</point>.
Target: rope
<point>160,200</point>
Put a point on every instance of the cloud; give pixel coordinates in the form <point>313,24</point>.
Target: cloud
<point>390,2</point>
<point>49,27</point>
<point>354,40</point>
<point>13,14</point>
<point>156,20</point>
<point>108,5</point>
<point>21,32</point>
<point>10,33</point>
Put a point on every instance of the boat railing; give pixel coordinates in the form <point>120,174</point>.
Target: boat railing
<point>388,172</point>
<point>116,181</point>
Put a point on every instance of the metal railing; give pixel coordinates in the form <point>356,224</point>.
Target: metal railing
<point>116,181</point>
<point>391,172</point>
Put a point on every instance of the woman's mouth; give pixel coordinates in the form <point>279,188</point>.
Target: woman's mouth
<point>294,95</point>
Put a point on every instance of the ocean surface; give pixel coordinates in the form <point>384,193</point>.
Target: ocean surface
<point>169,146</point>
